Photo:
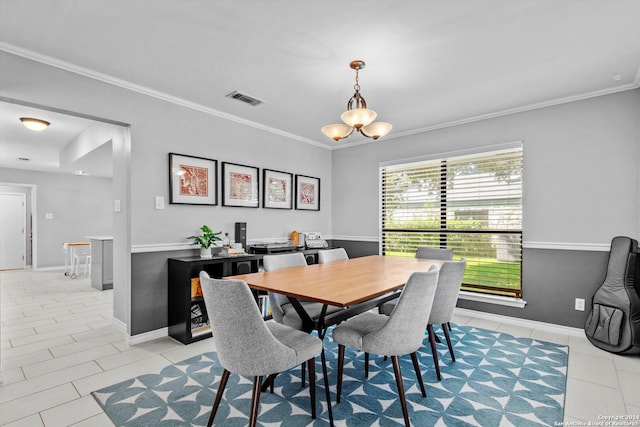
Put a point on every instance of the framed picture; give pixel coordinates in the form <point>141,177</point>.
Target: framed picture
<point>240,185</point>
<point>277,189</point>
<point>307,193</point>
<point>192,180</point>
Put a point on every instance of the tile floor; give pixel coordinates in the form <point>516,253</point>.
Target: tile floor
<point>59,344</point>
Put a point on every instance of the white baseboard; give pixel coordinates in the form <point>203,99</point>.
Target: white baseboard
<point>526,323</point>
<point>148,336</point>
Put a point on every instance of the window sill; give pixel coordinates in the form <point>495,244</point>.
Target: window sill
<point>492,299</point>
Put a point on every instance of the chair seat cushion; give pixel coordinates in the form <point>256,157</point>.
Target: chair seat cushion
<point>352,332</point>
<point>306,346</point>
<point>291,318</point>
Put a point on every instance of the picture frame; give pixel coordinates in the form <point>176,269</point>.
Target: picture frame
<point>277,189</point>
<point>307,193</point>
<point>192,180</point>
<point>240,185</point>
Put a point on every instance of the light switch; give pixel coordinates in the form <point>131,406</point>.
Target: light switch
<point>48,216</point>
<point>159,202</point>
<point>116,205</point>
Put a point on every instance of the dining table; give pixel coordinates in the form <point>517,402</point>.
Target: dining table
<point>356,285</point>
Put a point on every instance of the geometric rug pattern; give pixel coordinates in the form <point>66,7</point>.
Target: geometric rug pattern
<point>496,380</point>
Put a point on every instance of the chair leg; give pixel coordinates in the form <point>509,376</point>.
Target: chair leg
<point>446,335</point>
<point>340,369</point>
<point>449,325</point>
<point>416,367</point>
<point>326,385</point>
<point>302,374</point>
<point>219,393</point>
<point>366,365</point>
<point>432,341</point>
<point>272,380</point>
<point>255,401</point>
<point>403,402</point>
<point>312,385</point>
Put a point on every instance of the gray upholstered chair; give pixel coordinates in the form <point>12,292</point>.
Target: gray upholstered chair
<point>281,309</point>
<point>429,252</point>
<point>425,252</point>
<point>449,282</point>
<point>330,255</point>
<point>247,345</point>
<point>398,334</point>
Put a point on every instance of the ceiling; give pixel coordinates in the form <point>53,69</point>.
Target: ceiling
<point>430,64</point>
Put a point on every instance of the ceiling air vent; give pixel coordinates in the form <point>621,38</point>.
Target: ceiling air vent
<point>244,98</point>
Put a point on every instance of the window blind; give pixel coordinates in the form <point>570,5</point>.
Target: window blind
<point>470,203</point>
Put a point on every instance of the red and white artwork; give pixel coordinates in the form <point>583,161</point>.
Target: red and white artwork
<point>194,181</point>
<point>277,190</point>
<point>306,195</point>
<point>240,186</point>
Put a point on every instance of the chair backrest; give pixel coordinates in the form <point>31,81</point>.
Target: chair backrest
<point>429,252</point>
<point>330,255</point>
<point>404,330</point>
<point>243,342</point>
<point>278,262</point>
<point>449,282</point>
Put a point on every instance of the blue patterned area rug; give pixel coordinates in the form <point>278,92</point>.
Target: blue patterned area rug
<point>497,380</point>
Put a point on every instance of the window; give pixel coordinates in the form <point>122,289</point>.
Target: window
<point>470,203</point>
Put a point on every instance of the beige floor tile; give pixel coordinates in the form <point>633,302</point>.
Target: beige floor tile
<point>101,420</point>
<point>550,337</point>
<point>585,401</point>
<point>582,345</point>
<point>516,331</point>
<point>593,369</point>
<point>35,402</point>
<point>70,360</point>
<point>30,421</point>
<point>72,412</point>
<point>63,331</point>
<point>75,346</point>
<point>27,359</point>
<point>630,388</point>
<point>88,384</point>
<point>44,382</point>
<point>36,346</point>
<point>484,324</point>
<point>629,363</point>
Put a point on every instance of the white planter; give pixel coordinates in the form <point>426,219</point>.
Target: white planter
<point>205,252</point>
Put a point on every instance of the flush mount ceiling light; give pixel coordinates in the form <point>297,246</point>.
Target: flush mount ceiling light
<point>357,117</point>
<point>34,124</point>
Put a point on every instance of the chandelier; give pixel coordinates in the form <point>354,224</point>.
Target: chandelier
<point>357,117</point>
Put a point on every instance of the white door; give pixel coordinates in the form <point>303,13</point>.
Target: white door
<point>13,242</point>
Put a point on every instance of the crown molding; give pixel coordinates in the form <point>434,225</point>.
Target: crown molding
<point>105,78</point>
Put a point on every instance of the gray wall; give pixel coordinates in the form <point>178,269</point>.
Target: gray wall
<point>581,189</point>
<point>81,206</point>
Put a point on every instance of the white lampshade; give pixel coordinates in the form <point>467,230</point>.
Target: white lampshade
<point>337,131</point>
<point>376,130</point>
<point>358,117</point>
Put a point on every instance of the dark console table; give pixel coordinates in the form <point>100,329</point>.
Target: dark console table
<point>188,320</point>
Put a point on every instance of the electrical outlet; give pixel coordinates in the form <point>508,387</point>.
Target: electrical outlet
<point>580,304</point>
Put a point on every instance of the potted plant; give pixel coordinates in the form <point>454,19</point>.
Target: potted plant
<point>205,240</point>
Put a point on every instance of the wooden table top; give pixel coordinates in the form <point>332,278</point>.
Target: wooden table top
<point>340,283</point>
